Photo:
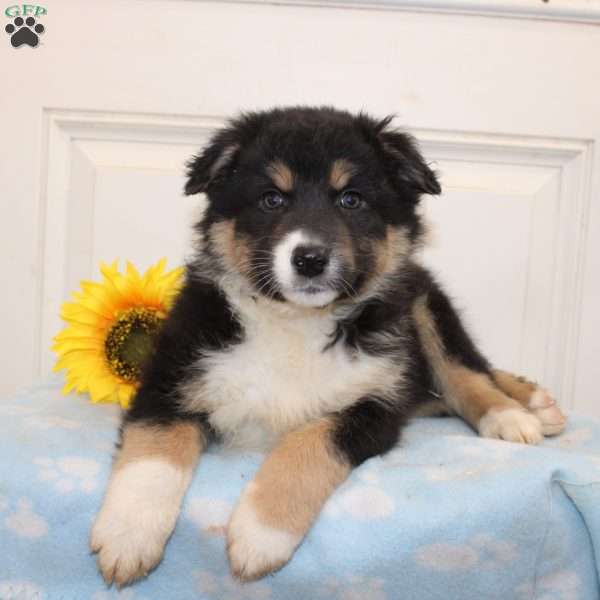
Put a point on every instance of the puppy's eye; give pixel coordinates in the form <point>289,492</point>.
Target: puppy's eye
<point>272,200</point>
<point>350,200</point>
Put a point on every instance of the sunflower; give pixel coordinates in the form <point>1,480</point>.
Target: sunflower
<point>110,329</point>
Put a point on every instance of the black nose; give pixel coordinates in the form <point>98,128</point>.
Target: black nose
<point>310,261</point>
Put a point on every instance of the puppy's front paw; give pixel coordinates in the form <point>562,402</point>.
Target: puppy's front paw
<point>128,544</point>
<point>254,548</point>
<point>543,406</point>
<point>136,519</point>
<point>511,425</point>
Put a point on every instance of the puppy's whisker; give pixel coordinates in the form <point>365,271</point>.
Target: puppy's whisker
<point>348,287</point>
<point>267,284</point>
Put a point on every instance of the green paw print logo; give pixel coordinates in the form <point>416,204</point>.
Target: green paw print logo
<point>24,29</point>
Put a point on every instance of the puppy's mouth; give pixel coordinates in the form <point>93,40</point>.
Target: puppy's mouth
<point>312,289</point>
<point>311,295</point>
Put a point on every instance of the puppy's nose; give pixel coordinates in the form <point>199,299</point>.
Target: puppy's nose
<point>310,261</point>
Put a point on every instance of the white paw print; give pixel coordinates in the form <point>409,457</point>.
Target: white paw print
<point>362,501</point>
<point>560,585</point>
<point>209,514</point>
<point>481,550</point>
<point>127,594</point>
<point>25,522</point>
<point>354,588</point>
<point>52,422</point>
<point>230,589</point>
<point>575,438</point>
<point>14,410</point>
<point>69,473</point>
<point>20,590</point>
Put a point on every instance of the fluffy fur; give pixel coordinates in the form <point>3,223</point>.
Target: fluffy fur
<point>305,325</point>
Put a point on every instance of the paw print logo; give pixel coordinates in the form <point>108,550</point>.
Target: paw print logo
<point>24,31</point>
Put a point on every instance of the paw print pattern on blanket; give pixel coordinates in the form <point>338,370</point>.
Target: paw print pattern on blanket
<point>482,551</point>
<point>575,438</point>
<point>354,588</point>
<point>209,514</point>
<point>20,590</point>
<point>52,422</point>
<point>115,594</point>
<point>467,461</point>
<point>562,585</point>
<point>25,522</point>
<point>226,588</point>
<point>364,501</point>
<point>14,410</point>
<point>69,473</point>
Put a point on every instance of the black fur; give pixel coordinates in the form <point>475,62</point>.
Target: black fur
<point>200,320</point>
<point>457,342</point>
<point>366,429</point>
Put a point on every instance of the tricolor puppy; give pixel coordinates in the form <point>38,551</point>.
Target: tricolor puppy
<point>305,325</point>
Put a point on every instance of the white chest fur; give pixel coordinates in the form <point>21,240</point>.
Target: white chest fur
<point>280,377</point>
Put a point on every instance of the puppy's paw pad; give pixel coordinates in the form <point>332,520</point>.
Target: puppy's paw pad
<point>511,425</point>
<point>545,409</point>
<point>127,550</point>
<point>255,549</point>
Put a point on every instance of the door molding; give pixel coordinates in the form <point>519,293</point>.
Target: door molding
<point>578,11</point>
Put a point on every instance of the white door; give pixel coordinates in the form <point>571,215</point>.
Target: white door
<point>99,117</point>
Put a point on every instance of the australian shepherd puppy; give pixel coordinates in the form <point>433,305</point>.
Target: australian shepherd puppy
<point>304,325</point>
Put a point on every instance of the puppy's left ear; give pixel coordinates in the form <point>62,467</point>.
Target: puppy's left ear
<point>204,168</point>
<point>406,162</point>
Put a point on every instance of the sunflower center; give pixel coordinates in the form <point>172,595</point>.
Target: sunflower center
<point>130,341</point>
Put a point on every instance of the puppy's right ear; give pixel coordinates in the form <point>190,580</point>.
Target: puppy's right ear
<point>220,156</point>
<point>204,168</point>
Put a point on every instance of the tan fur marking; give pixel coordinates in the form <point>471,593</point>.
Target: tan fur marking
<point>391,251</point>
<point>389,254</point>
<point>517,387</point>
<point>433,408</point>
<point>472,395</point>
<point>467,392</point>
<point>297,478</point>
<point>235,250</point>
<point>341,171</point>
<point>281,175</point>
<point>345,247</point>
<point>178,444</point>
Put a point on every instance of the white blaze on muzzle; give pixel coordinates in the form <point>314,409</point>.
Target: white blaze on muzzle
<point>303,290</point>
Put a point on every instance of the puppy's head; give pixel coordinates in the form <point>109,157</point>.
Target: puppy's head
<point>311,205</point>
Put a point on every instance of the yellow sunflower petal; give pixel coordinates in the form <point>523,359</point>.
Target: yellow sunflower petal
<point>125,393</point>
<point>101,386</point>
<point>75,331</point>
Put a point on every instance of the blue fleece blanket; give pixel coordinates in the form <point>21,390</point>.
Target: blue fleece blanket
<point>445,515</point>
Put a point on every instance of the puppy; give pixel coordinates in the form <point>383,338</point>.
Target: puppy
<point>305,325</point>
